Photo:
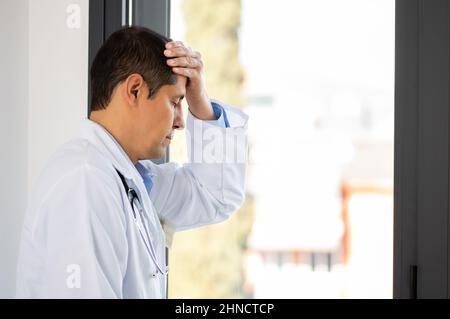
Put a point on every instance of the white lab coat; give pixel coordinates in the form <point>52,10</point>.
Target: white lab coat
<point>80,239</point>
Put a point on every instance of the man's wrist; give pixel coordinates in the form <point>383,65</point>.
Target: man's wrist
<point>202,110</point>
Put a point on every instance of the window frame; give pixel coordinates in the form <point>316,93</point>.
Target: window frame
<point>421,168</point>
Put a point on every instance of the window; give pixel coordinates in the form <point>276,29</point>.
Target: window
<point>317,79</point>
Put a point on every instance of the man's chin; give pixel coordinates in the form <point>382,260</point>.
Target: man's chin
<point>156,153</point>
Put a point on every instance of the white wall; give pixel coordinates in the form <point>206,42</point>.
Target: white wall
<point>13,133</point>
<point>58,77</point>
<point>43,86</point>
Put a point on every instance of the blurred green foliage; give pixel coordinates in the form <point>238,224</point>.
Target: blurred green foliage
<point>212,29</point>
<point>208,262</point>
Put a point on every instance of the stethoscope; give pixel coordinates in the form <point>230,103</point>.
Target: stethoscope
<point>136,206</point>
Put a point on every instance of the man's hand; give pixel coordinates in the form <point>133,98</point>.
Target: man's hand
<point>186,62</point>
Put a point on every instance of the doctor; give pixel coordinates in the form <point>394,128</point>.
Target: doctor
<point>102,213</point>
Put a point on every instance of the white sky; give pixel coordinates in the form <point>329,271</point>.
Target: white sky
<point>348,40</point>
<point>287,46</point>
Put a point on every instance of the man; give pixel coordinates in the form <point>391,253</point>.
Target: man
<point>102,213</point>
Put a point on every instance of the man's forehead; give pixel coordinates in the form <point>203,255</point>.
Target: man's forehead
<point>179,88</point>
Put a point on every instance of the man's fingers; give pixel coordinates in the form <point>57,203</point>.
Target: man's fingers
<point>174,44</point>
<point>196,55</point>
<point>180,51</point>
<point>185,61</point>
<point>187,72</point>
<point>176,51</point>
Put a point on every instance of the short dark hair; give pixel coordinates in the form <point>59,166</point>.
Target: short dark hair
<point>127,51</point>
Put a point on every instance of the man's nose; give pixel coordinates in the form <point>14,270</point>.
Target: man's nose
<point>178,121</point>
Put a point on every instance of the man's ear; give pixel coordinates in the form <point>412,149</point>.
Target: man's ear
<point>133,88</point>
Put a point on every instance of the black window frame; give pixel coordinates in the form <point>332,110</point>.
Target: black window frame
<point>421,169</point>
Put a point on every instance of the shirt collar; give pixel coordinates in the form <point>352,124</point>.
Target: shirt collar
<point>146,175</point>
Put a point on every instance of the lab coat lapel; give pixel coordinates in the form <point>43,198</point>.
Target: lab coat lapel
<point>105,142</point>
